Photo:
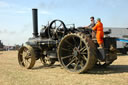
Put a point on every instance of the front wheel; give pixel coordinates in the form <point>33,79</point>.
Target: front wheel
<point>26,57</point>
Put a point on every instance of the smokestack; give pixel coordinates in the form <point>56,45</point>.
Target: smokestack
<point>35,22</point>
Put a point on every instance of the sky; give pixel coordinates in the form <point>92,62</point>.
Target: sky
<point>16,15</point>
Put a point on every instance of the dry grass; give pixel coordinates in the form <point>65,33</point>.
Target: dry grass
<point>12,74</point>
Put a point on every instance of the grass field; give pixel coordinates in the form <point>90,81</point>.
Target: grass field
<point>12,74</point>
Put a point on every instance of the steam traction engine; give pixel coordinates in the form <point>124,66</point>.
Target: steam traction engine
<point>73,47</point>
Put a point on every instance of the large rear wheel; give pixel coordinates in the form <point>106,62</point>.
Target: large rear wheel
<point>76,53</point>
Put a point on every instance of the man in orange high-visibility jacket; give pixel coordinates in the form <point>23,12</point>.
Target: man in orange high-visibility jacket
<point>99,32</point>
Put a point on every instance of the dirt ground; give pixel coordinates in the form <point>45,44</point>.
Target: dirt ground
<point>12,74</point>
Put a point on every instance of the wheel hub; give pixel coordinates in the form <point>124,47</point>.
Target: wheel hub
<point>76,52</point>
<point>27,56</point>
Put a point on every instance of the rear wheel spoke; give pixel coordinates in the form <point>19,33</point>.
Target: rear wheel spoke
<point>80,45</point>
<point>70,62</point>
<point>81,64</point>
<point>66,49</point>
<point>76,65</point>
<point>74,40</point>
<point>85,58</point>
<point>68,42</point>
<point>82,48</point>
<point>83,53</point>
<point>69,56</point>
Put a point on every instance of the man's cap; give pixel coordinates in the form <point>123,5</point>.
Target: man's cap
<point>98,19</point>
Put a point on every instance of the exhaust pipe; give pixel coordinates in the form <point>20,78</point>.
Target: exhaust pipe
<point>35,22</point>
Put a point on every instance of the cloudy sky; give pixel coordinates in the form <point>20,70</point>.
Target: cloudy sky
<point>16,15</point>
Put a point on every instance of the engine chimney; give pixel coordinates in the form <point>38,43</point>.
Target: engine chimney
<point>35,22</point>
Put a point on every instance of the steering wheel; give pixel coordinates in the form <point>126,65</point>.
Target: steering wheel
<point>57,29</point>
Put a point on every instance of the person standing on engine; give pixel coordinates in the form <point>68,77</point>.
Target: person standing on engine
<point>99,32</point>
<point>92,24</point>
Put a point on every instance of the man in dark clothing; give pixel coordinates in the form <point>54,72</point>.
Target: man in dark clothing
<point>92,24</point>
